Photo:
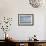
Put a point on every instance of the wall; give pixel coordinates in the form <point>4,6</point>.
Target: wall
<point>11,8</point>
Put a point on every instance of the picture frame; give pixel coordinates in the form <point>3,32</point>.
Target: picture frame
<point>25,19</point>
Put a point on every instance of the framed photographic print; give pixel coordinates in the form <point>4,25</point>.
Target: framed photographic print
<point>25,19</point>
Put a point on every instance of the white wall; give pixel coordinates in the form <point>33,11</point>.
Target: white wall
<point>12,8</point>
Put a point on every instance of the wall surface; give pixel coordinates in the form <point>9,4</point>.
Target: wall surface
<point>11,8</point>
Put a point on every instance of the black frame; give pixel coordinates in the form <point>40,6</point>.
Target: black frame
<point>25,23</point>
